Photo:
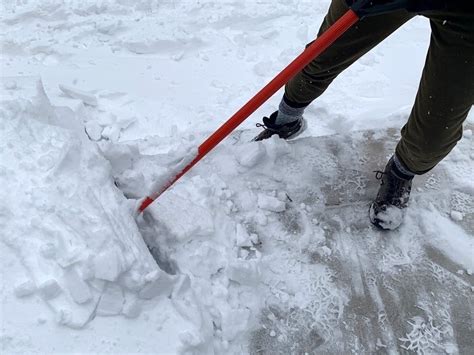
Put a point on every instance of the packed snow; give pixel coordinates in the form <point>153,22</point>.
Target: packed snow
<point>263,247</point>
<point>390,219</point>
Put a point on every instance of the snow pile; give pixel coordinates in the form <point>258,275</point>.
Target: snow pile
<point>65,219</point>
<point>74,232</point>
<point>192,232</point>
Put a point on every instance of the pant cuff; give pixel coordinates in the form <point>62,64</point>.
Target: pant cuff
<point>294,104</point>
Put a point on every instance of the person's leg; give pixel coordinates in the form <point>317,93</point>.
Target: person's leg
<point>445,95</point>
<point>314,79</point>
<point>444,98</point>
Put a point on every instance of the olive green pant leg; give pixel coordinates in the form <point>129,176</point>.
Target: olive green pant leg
<point>314,79</point>
<point>444,98</point>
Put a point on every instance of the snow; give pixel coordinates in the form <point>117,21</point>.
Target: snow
<point>77,287</point>
<point>263,246</point>
<point>270,203</point>
<point>86,98</point>
<point>456,216</point>
<point>390,219</point>
<point>249,155</point>
<point>49,289</point>
<point>25,288</point>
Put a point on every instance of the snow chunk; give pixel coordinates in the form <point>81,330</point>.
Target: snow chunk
<point>248,155</point>
<point>175,163</point>
<point>390,219</point>
<point>132,309</point>
<point>457,216</point>
<point>270,203</point>
<point>159,283</point>
<point>243,238</point>
<point>206,260</point>
<point>49,289</point>
<point>25,288</point>
<point>192,220</point>
<point>246,200</point>
<point>64,317</point>
<point>111,302</point>
<point>181,286</point>
<point>244,272</point>
<point>94,130</point>
<point>77,287</point>
<point>48,251</point>
<point>71,257</point>
<point>85,97</point>
<point>190,339</point>
<point>107,265</point>
<point>111,133</point>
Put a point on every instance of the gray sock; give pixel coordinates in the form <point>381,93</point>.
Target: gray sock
<point>402,167</point>
<point>287,114</point>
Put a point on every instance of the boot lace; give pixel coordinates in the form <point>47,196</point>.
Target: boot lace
<point>379,175</point>
<point>261,125</point>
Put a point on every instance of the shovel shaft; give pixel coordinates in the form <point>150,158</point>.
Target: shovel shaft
<point>311,52</point>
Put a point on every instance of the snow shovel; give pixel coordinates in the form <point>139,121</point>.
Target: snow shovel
<point>358,9</point>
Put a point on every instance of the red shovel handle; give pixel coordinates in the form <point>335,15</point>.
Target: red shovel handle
<point>315,49</point>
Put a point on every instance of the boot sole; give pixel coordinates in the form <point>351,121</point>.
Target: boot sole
<point>293,136</point>
<point>299,132</point>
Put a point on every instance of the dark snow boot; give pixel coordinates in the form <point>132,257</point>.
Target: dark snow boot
<point>284,131</point>
<point>386,212</point>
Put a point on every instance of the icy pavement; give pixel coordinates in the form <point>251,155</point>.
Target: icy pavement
<point>397,290</point>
